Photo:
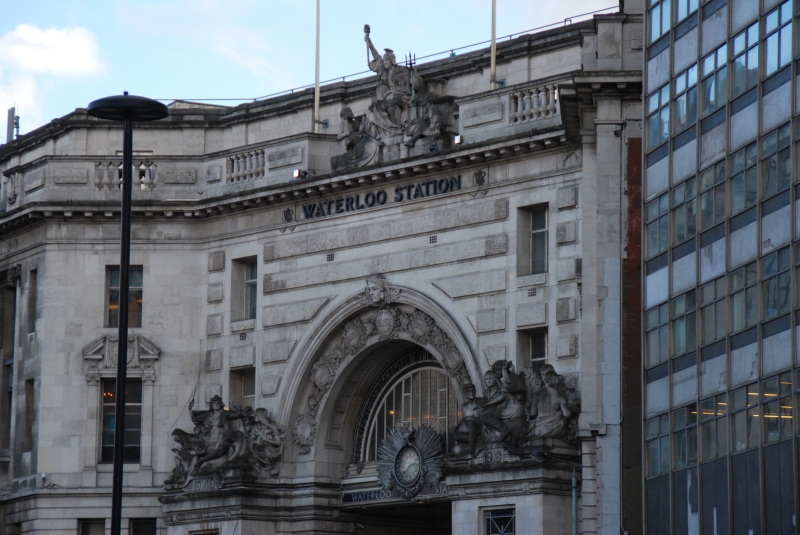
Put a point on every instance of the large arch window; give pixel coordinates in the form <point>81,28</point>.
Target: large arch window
<point>418,394</point>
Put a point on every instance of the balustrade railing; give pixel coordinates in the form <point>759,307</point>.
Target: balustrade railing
<point>533,104</point>
<point>108,175</point>
<point>248,165</point>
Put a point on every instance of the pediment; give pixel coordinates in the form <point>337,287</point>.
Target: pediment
<point>100,356</point>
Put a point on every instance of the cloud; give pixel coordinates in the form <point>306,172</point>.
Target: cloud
<point>68,51</point>
<point>29,55</point>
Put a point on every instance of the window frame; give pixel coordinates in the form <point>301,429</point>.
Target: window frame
<point>744,177</point>
<point>107,408</point>
<point>684,200</point>
<point>684,436</point>
<point>657,440</point>
<point>660,329</point>
<point>781,148</point>
<point>782,35</point>
<point>716,74</point>
<point>659,221</point>
<point>664,9</point>
<point>714,190</point>
<point>714,422</point>
<point>133,291</point>
<point>750,287</point>
<point>781,259</point>
<point>748,53</point>
<point>657,105</point>
<point>488,519</point>
<point>683,311</point>
<point>685,99</point>
<point>719,299</point>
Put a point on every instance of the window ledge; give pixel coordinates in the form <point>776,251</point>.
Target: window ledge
<point>532,280</point>
<point>244,325</point>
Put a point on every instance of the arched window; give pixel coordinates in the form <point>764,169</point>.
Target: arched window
<point>416,391</point>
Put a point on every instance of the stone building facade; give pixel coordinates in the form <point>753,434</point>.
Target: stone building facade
<point>720,256</point>
<point>410,321</point>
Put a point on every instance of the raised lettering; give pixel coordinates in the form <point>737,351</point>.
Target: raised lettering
<point>320,210</point>
<point>427,188</point>
<point>398,194</point>
<point>328,204</point>
<point>381,197</point>
<point>418,192</point>
<point>348,204</point>
<point>408,190</point>
<point>455,182</point>
<point>443,184</point>
<point>339,203</point>
<point>308,211</point>
<point>369,199</point>
<point>359,206</point>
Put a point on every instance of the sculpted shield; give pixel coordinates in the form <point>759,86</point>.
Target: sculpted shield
<point>384,321</point>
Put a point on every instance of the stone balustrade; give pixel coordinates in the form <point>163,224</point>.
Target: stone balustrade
<point>532,104</point>
<point>108,175</point>
<point>248,165</point>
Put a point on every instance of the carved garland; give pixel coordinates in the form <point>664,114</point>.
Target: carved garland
<point>389,322</point>
<point>101,357</point>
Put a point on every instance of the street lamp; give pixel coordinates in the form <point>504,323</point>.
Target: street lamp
<point>127,108</point>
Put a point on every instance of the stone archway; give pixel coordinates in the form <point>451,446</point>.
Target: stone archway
<point>381,313</point>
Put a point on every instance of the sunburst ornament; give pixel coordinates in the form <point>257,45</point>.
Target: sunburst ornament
<point>410,459</point>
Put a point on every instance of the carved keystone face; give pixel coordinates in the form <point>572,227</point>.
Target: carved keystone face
<point>376,292</point>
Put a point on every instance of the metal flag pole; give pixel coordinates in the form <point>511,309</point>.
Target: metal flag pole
<point>316,81</point>
<point>493,74</point>
<point>126,108</point>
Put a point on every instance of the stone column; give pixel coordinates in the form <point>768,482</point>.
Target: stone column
<point>146,459</point>
<point>91,440</point>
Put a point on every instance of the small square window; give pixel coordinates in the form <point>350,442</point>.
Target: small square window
<point>501,521</point>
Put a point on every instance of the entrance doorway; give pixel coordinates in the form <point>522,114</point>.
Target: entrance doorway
<point>410,518</point>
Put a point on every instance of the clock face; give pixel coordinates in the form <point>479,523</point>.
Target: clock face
<point>407,466</point>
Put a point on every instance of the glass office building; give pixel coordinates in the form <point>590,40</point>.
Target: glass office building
<point>721,232</point>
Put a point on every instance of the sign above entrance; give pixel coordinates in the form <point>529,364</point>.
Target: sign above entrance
<point>408,192</point>
<point>379,495</point>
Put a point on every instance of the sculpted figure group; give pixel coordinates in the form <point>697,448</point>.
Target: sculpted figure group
<point>402,107</point>
<point>517,409</point>
<point>239,438</point>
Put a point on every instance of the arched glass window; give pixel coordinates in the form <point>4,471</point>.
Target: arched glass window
<point>417,395</point>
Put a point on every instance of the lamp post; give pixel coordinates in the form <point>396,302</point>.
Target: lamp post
<point>126,108</point>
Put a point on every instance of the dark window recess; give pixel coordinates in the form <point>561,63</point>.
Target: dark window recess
<point>657,496</point>
<point>779,488</point>
<point>685,500</point>
<point>143,527</point>
<point>500,522</point>
<point>133,421</point>
<point>714,499</point>
<point>135,284</point>
<point>746,496</point>
<point>92,527</point>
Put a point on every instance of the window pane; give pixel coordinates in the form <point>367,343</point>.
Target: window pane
<point>539,252</point>
<point>772,53</point>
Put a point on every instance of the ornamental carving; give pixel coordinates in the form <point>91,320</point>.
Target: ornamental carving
<point>100,357</point>
<point>389,321</point>
<point>517,411</point>
<point>226,439</point>
<point>409,459</point>
<point>402,111</point>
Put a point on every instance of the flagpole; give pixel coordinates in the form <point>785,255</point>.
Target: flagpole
<point>316,81</point>
<point>493,80</point>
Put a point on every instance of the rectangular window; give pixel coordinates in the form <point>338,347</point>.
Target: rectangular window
<point>683,323</point>
<point>776,167</point>
<point>243,388</point>
<point>143,526</point>
<point>778,38</point>
<point>539,240</point>
<point>745,62</point>
<point>657,436</point>
<point>685,100</point>
<point>684,436</point>
<point>92,527</point>
<point>500,522</point>
<point>30,415</point>
<point>131,449</point>
<point>712,198</point>
<point>538,341</point>
<point>715,81</point>
<point>657,229</point>
<point>714,427</point>
<point>658,118</point>
<point>744,178</point>
<point>657,337</point>
<point>713,310</point>
<point>250,284</point>
<point>745,494</point>
<point>714,498</point>
<point>244,289</point>
<point>135,285</point>
<point>745,421</point>
<point>776,289</point>
<point>684,211</point>
<point>659,18</point>
<point>686,8</point>
<point>32,290</point>
<point>776,395</point>
<point>744,303</point>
